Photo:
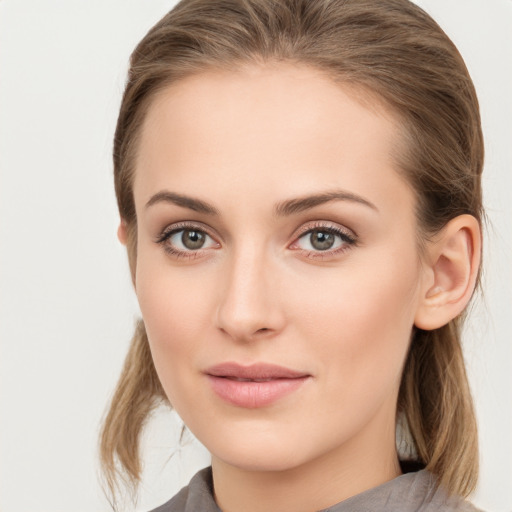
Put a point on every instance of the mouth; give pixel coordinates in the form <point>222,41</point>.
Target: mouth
<point>254,386</point>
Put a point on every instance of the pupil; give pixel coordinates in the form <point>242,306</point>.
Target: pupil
<point>192,239</point>
<point>322,240</point>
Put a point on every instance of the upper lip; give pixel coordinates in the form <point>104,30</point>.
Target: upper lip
<point>255,371</point>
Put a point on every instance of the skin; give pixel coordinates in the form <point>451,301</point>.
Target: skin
<point>258,291</point>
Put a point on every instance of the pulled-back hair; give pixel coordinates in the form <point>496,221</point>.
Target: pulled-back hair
<point>390,50</point>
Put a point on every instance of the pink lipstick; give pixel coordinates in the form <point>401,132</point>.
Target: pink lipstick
<point>253,386</point>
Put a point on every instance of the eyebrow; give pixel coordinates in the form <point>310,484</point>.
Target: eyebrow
<point>191,203</point>
<point>282,209</point>
<point>301,204</point>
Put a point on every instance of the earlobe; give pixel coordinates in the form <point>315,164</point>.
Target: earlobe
<point>451,273</point>
<point>122,234</point>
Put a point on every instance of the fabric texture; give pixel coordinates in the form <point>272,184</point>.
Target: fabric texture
<point>411,492</point>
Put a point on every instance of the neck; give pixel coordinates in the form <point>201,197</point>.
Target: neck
<point>362,464</point>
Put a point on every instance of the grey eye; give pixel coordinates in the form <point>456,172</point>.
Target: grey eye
<point>193,239</point>
<point>321,240</point>
<point>190,239</point>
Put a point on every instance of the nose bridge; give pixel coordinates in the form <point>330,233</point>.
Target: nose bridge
<point>248,302</point>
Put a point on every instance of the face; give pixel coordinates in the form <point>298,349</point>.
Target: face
<point>277,271</point>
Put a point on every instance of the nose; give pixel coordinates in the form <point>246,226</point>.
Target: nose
<point>249,306</point>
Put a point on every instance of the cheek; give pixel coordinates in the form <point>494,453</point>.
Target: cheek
<point>361,319</point>
<point>166,312</point>
<point>176,313</point>
<point>172,299</point>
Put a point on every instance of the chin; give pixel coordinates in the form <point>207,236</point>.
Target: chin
<point>264,461</point>
<point>266,452</point>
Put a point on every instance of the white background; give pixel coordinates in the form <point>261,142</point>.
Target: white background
<point>66,304</point>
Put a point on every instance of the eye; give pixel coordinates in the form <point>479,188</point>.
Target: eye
<point>323,239</point>
<point>185,240</point>
<point>190,239</point>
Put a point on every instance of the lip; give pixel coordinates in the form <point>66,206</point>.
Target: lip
<point>256,385</point>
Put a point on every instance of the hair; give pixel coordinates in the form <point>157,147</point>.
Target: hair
<point>391,50</point>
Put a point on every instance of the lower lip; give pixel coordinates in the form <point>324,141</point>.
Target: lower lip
<point>252,394</point>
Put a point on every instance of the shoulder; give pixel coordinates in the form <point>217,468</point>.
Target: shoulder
<point>437,499</point>
<point>411,492</point>
<point>422,491</point>
<point>197,495</point>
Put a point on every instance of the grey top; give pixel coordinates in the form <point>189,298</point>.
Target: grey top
<point>411,492</point>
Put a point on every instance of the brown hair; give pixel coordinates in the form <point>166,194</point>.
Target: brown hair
<point>391,49</point>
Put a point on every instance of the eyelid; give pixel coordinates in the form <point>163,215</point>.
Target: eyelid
<point>348,237</point>
<point>182,225</point>
<point>327,225</point>
<point>163,239</point>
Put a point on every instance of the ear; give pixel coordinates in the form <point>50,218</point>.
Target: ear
<point>451,269</point>
<point>122,233</point>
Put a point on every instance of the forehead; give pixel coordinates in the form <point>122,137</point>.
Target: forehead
<point>276,128</point>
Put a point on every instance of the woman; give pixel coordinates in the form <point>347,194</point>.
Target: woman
<point>299,191</point>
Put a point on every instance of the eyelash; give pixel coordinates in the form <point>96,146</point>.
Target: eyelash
<point>347,237</point>
<point>169,231</point>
